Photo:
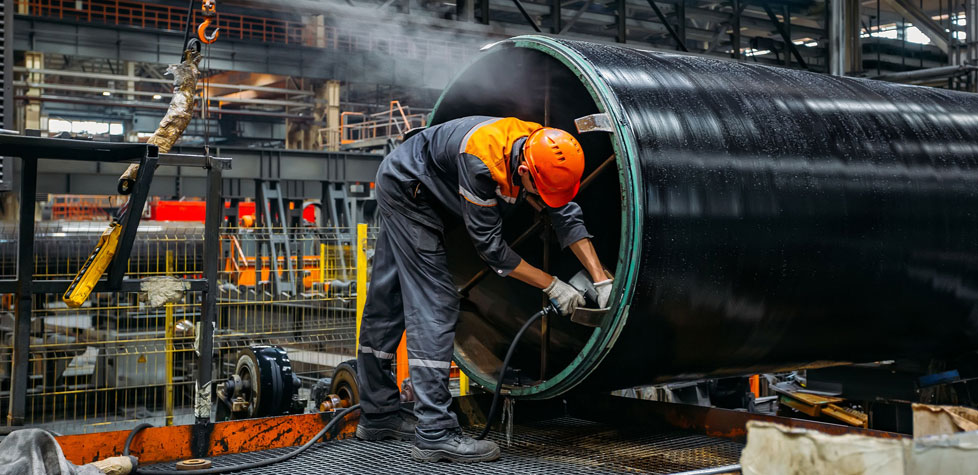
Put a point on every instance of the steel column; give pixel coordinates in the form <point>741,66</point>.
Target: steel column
<point>556,20</point>
<point>971,14</point>
<point>131,215</point>
<point>786,15</point>
<point>681,21</point>
<point>212,253</point>
<point>853,32</point>
<point>465,10</point>
<point>25,282</point>
<point>735,30</point>
<point>7,63</point>
<point>837,41</point>
<point>620,22</point>
<point>680,42</point>
<point>785,36</point>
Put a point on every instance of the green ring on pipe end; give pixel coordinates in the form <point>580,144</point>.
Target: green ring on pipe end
<point>629,254</point>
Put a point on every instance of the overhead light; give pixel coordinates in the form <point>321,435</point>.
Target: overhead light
<point>106,93</point>
<point>157,97</point>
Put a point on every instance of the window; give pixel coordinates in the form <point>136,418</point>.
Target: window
<point>91,127</point>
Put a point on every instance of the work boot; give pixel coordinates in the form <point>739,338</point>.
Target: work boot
<point>397,425</point>
<point>452,445</point>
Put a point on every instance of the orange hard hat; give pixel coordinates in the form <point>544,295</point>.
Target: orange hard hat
<point>556,162</point>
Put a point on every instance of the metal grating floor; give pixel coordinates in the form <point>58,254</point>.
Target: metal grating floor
<point>558,446</point>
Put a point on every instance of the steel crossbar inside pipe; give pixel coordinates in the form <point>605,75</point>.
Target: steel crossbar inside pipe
<point>760,218</point>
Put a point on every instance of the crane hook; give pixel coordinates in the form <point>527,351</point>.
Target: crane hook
<point>209,8</point>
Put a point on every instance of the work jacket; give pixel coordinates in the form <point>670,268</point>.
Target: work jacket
<point>468,167</point>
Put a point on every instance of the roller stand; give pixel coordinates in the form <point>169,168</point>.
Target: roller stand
<point>263,385</point>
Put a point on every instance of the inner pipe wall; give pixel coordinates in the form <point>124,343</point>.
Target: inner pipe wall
<point>760,218</point>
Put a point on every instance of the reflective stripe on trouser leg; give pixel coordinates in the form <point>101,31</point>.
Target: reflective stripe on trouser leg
<point>380,331</point>
<point>430,312</point>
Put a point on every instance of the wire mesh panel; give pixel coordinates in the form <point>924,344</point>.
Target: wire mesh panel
<point>116,361</point>
<point>112,362</point>
<point>302,298</point>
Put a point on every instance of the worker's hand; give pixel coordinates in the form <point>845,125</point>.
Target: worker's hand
<point>566,296</point>
<point>604,292</point>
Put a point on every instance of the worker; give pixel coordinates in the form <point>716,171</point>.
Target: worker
<point>470,168</point>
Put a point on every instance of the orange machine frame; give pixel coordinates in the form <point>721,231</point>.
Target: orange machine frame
<point>165,444</point>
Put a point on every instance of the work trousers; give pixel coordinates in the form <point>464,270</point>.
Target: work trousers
<point>410,288</point>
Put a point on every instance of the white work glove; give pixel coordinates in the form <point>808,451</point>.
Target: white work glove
<point>604,292</point>
<point>566,296</point>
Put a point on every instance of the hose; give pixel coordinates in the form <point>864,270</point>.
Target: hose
<point>494,408</point>
<point>245,466</point>
<point>493,413</point>
<point>132,435</point>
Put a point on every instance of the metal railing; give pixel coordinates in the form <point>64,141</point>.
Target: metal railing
<point>83,207</point>
<point>164,17</point>
<point>250,28</point>
<point>358,128</point>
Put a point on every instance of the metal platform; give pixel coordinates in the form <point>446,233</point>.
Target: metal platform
<point>575,434</point>
<point>564,445</point>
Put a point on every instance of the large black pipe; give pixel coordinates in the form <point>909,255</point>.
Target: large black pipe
<point>761,218</point>
<point>61,247</point>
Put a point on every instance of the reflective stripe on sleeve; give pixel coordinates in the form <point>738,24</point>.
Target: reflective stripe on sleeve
<point>380,354</point>
<point>475,199</point>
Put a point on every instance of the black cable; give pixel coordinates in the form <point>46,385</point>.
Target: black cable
<point>190,24</point>
<point>244,466</point>
<point>132,435</point>
<point>494,408</point>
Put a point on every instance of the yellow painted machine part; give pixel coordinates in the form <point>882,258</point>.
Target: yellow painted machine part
<point>169,346</point>
<point>322,263</point>
<point>463,384</point>
<point>361,276</point>
<point>90,273</point>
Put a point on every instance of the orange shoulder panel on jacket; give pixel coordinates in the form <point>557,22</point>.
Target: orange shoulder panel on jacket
<point>493,142</point>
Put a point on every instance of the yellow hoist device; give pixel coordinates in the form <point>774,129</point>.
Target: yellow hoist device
<point>90,273</point>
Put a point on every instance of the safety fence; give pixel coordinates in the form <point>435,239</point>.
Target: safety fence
<point>251,28</point>
<point>117,361</point>
<point>359,128</point>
